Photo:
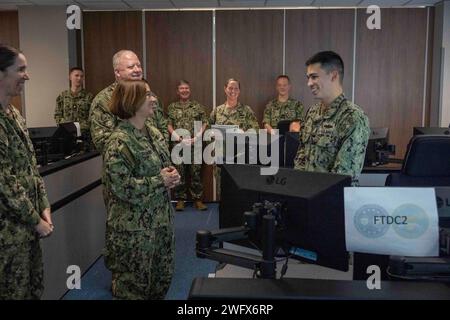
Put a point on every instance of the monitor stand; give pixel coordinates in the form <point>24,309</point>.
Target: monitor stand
<point>296,269</point>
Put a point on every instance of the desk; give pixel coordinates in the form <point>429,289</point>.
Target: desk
<point>296,268</point>
<point>308,282</point>
<point>79,215</point>
<point>376,176</point>
<point>308,289</point>
<point>385,168</point>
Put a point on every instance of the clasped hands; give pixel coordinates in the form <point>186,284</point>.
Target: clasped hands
<point>170,176</point>
<point>45,226</point>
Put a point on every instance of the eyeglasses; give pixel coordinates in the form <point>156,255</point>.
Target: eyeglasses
<point>153,103</point>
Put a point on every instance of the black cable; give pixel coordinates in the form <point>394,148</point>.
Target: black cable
<point>423,278</point>
<point>284,268</point>
<point>255,271</point>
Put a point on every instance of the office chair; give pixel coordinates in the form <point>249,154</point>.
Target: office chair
<point>283,126</point>
<point>426,164</point>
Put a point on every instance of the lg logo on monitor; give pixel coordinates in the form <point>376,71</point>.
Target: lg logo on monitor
<point>281,181</point>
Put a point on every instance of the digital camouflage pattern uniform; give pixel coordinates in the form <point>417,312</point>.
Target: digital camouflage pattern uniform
<point>182,115</point>
<point>277,111</point>
<point>335,141</point>
<point>22,200</point>
<point>159,120</point>
<point>103,122</point>
<point>242,116</point>
<point>139,230</point>
<point>74,108</point>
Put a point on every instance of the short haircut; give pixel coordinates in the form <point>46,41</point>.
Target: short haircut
<point>283,76</point>
<point>232,79</point>
<point>8,56</point>
<point>329,61</point>
<point>75,69</point>
<point>128,97</point>
<point>118,55</point>
<point>181,82</point>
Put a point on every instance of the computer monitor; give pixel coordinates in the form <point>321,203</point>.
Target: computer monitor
<point>378,148</point>
<point>311,224</point>
<point>41,137</point>
<point>292,144</point>
<point>41,133</point>
<point>65,137</point>
<point>283,126</point>
<point>431,130</point>
<point>443,206</point>
<point>249,147</point>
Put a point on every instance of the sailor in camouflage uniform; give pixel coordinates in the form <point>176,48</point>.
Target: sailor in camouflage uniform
<point>24,208</point>
<point>181,115</point>
<point>102,122</point>
<point>73,105</point>
<point>137,175</point>
<point>283,107</point>
<point>336,131</point>
<point>232,112</point>
<point>159,120</point>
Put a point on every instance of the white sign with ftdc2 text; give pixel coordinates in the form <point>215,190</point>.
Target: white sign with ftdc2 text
<point>392,221</point>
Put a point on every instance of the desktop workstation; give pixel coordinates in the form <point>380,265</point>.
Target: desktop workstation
<point>72,175</point>
<point>296,229</point>
<point>271,226</point>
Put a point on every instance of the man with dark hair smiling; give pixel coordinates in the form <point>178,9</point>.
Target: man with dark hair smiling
<point>336,131</point>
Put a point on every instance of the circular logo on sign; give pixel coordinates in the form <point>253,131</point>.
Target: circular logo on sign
<point>368,222</point>
<point>414,221</point>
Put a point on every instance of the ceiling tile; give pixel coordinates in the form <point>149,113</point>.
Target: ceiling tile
<point>158,4</point>
<point>336,3</point>
<point>383,3</point>
<point>241,3</point>
<point>103,5</point>
<point>196,3</point>
<point>52,2</point>
<point>422,2</point>
<point>288,3</point>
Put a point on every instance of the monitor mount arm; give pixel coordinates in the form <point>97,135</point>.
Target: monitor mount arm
<point>209,245</point>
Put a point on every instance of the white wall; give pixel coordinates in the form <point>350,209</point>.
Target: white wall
<point>440,90</point>
<point>445,87</point>
<point>44,41</point>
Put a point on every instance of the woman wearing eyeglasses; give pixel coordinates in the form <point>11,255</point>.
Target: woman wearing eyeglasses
<point>137,174</point>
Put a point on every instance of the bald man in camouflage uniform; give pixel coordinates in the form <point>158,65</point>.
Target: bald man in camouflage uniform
<point>182,115</point>
<point>159,120</point>
<point>102,122</point>
<point>283,107</point>
<point>139,251</point>
<point>24,208</point>
<point>336,131</point>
